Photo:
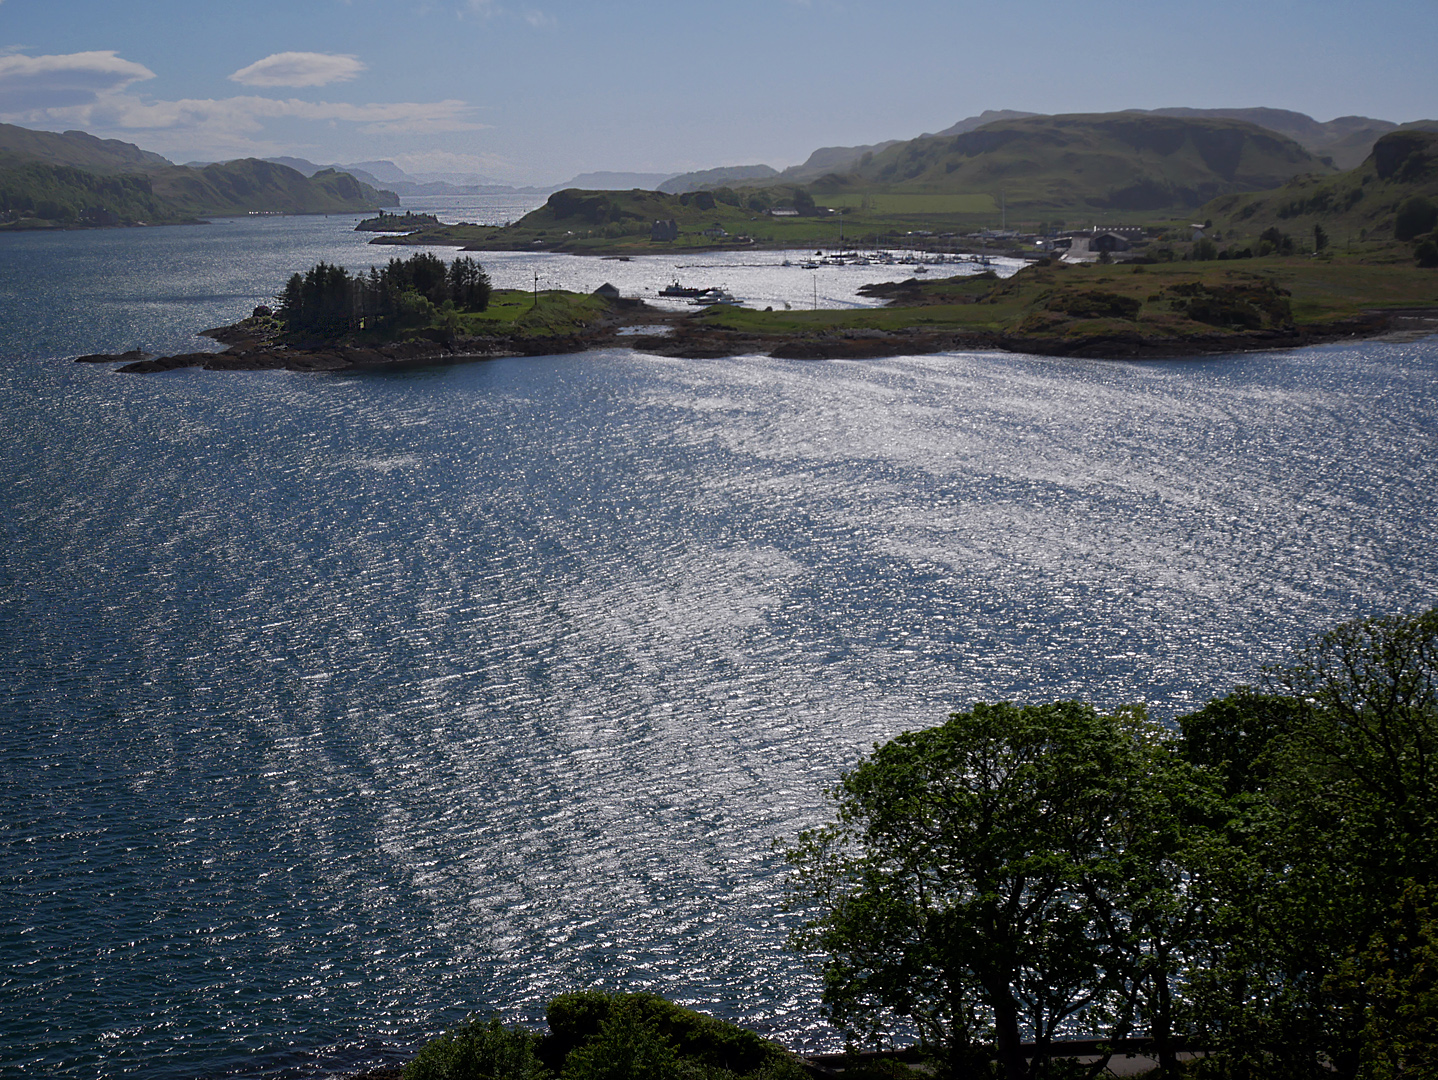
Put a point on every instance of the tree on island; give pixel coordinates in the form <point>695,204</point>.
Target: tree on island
<point>327,303</point>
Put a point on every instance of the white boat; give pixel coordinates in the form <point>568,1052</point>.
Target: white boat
<point>714,296</point>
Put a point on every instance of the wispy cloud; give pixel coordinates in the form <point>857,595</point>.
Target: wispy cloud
<point>247,114</point>
<point>74,79</point>
<point>297,69</point>
<point>91,91</point>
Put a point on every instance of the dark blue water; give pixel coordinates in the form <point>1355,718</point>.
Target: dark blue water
<point>337,707</point>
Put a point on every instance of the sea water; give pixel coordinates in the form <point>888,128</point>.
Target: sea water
<point>335,708</point>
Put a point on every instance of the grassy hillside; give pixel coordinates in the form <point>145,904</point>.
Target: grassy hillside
<point>1346,141</point>
<point>1113,161</point>
<point>1358,210</point>
<point>254,186</point>
<point>724,176</point>
<point>1169,309</point>
<point>35,195</point>
<point>842,159</point>
<point>77,148</point>
<point>596,222</point>
<point>72,180</point>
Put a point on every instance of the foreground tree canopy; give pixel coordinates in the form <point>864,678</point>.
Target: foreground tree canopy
<point>1260,884</point>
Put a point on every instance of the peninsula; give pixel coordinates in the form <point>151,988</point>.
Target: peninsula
<point>1093,311</point>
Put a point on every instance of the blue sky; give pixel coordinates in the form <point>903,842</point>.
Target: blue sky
<point>535,91</point>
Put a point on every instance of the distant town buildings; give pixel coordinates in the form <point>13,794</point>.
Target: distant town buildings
<point>1087,245</point>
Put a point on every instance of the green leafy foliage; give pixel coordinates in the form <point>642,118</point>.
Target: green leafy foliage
<point>1264,884</point>
<point>478,1050</point>
<point>326,302</point>
<point>600,1036</point>
<point>1329,829</point>
<point>977,884</point>
<point>1416,216</point>
<point>1095,304</point>
<point>577,1020</point>
<point>627,1046</point>
<point>1246,305</point>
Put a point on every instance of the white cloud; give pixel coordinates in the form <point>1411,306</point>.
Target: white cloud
<point>75,79</point>
<point>299,69</point>
<point>89,91</point>
<point>245,115</point>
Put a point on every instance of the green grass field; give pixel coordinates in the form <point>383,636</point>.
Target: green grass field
<point>1166,300</point>
<point>909,203</point>
<point>515,311</point>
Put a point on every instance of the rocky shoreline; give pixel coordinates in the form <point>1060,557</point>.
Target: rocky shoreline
<point>682,336</point>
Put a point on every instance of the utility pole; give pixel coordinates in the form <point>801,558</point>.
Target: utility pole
<point>536,290</point>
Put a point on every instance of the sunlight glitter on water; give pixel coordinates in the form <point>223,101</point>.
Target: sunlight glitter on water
<point>339,707</point>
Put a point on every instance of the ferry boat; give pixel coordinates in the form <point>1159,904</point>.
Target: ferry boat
<point>682,291</point>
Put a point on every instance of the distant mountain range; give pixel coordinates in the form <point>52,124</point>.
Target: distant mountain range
<point>49,179</point>
<point>1114,161</point>
<point>1136,160</point>
<point>391,176</point>
<point>841,159</point>
<point>710,178</point>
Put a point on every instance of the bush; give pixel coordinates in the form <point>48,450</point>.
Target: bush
<point>1272,241</point>
<point>628,1046</point>
<point>1095,304</point>
<point>475,1050</point>
<point>1415,217</point>
<point>576,1020</point>
<point>1427,254</point>
<point>1238,307</point>
<point>1204,250</point>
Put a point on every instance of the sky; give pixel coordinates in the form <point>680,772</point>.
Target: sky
<point>537,91</point>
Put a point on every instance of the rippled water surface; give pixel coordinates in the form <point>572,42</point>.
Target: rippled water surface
<point>337,707</point>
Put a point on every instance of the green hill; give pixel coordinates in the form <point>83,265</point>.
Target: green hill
<point>250,185</point>
<point>713,178</point>
<point>48,180</point>
<point>1346,140</point>
<point>1381,200</point>
<point>1109,161</point>
<point>76,148</point>
<point>36,195</point>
